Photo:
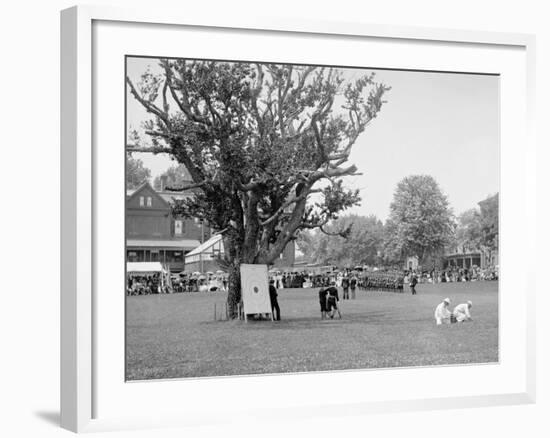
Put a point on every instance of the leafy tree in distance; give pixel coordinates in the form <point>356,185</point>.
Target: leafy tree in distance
<point>478,228</point>
<point>175,177</point>
<point>136,172</point>
<point>362,246</point>
<point>468,231</point>
<point>489,211</point>
<point>421,222</point>
<point>258,140</point>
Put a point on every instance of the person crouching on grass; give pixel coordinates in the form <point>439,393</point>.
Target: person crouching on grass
<point>461,312</point>
<point>442,313</point>
<point>332,300</point>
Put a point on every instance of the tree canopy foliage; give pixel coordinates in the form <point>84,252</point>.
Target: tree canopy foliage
<point>489,210</point>
<point>136,172</point>
<point>468,231</point>
<point>477,228</point>
<point>363,245</point>
<point>421,222</point>
<point>259,140</point>
<point>175,177</point>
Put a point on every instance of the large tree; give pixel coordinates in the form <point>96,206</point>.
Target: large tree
<point>421,222</point>
<point>258,140</point>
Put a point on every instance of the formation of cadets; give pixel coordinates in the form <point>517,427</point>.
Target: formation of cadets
<point>390,281</point>
<point>387,280</point>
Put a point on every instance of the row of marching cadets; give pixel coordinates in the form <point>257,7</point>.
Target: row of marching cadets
<point>391,281</point>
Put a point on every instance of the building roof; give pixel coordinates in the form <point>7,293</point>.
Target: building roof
<point>204,246</point>
<point>172,244</point>
<point>168,196</point>
<point>146,185</point>
<point>464,254</point>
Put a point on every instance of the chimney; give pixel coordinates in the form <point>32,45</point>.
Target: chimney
<point>163,179</point>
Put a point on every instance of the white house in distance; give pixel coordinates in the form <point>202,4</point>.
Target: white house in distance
<point>205,257</point>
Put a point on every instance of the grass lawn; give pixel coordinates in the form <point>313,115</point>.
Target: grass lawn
<point>171,336</point>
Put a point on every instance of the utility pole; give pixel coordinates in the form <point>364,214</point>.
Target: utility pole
<point>202,241</point>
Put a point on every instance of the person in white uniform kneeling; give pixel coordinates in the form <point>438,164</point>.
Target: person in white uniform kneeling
<point>462,312</point>
<point>442,313</point>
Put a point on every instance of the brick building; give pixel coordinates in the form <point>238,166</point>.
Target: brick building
<point>153,234</point>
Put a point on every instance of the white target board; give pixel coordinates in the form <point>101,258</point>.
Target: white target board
<point>255,289</point>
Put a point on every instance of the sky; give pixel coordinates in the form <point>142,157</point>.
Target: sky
<point>441,124</point>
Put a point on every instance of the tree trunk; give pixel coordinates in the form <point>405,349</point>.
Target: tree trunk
<point>234,289</point>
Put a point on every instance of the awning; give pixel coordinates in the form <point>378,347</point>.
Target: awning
<point>206,245</point>
<point>143,267</point>
<point>186,244</point>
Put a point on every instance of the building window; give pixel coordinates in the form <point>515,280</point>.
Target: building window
<point>149,201</point>
<point>141,201</point>
<point>178,227</point>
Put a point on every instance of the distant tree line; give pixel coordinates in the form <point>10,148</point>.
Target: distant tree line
<point>420,224</point>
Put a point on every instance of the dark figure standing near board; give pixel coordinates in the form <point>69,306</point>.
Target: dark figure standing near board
<point>353,286</point>
<point>345,286</point>
<point>332,301</point>
<point>413,283</point>
<point>274,303</point>
<point>323,302</point>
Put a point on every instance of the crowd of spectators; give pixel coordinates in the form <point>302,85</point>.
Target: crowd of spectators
<point>145,285</point>
<point>367,279</point>
<point>200,283</point>
<point>455,274</point>
<point>153,284</point>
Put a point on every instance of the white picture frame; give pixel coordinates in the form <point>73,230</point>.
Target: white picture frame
<point>80,375</point>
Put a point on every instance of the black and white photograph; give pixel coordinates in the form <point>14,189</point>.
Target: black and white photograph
<point>277,219</point>
<point>290,218</point>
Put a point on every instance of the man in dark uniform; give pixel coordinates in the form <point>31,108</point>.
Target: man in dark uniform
<point>345,286</point>
<point>413,283</point>
<point>353,286</point>
<point>323,302</point>
<point>332,300</point>
<point>274,303</point>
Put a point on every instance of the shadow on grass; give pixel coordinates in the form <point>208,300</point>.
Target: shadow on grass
<point>306,322</point>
